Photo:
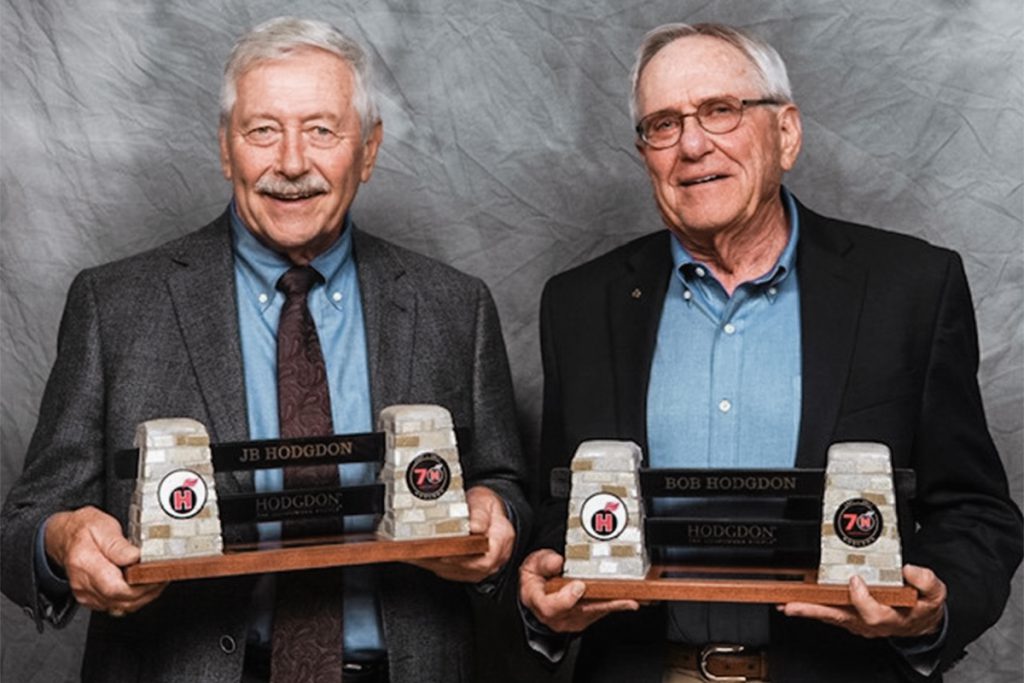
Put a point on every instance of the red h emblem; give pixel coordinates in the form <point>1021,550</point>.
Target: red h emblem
<point>183,499</point>
<point>604,522</point>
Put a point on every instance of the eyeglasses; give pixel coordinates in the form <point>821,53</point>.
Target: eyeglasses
<point>662,129</point>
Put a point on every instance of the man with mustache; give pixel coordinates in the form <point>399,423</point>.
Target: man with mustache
<point>190,329</point>
<point>754,333</point>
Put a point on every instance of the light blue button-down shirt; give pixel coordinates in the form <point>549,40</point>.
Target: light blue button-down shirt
<point>725,392</point>
<point>338,314</point>
<point>725,379</point>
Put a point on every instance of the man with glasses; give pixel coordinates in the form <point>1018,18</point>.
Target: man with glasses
<point>754,333</point>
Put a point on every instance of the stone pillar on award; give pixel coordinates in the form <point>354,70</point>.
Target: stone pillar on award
<point>859,532</point>
<point>173,513</point>
<point>605,533</point>
<point>423,492</point>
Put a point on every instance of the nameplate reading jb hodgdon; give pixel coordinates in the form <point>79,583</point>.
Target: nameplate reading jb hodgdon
<point>251,455</point>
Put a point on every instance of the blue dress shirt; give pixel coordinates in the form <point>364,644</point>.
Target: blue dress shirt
<point>724,388</point>
<point>725,392</point>
<point>338,314</point>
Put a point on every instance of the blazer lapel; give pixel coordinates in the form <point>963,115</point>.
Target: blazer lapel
<point>635,300</point>
<point>831,297</point>
<point>202,290</point>
<point>389,318</point>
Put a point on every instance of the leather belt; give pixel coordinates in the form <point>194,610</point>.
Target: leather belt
<point>720,661</point>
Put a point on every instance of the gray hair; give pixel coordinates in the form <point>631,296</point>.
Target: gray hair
<point>282,36</point>
<point>770,69</point>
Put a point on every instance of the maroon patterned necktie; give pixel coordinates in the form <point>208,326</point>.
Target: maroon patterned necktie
<point>307,636</point>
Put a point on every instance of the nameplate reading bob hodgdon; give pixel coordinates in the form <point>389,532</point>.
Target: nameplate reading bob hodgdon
<point>608,532</point>
<point>175,511</point>
<point>717,483</point>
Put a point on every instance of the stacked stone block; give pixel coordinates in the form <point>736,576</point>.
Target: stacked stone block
<point>606,467</point>
<point>411,431</point>
<point>166,447</point>
<point>860,471</point>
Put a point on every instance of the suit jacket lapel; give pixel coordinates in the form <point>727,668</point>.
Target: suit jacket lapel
<point>831,296</point>
<point>202,290</point>
<point>389,318</point>
<point>635,300</point>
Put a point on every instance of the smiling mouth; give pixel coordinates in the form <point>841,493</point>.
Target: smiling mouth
<point>700,181</point>
<point>292,196</point>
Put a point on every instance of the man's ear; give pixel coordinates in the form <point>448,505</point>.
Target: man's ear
<point>370,148</point>
<point>225,154</point>
<point>791,135</point>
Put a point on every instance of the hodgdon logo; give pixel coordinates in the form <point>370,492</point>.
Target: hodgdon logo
<point>428,476</point>
<point>182,494</point>
<point>858,522</point>
<point>604,516</point>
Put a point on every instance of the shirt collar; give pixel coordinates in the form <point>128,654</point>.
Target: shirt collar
<point>682,258</point>
<point>263,266</point>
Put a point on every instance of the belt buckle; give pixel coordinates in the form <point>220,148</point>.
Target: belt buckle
<point>709,651</point>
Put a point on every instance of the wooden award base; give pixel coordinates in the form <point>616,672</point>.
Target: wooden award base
<point>770,585</point>
<point>350,549</point>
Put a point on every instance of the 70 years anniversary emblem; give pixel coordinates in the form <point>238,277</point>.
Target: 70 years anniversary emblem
<point>858,522</point>
<point>428,476</point>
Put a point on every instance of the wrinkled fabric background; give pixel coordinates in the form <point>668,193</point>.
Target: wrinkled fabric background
<point>508,153</point>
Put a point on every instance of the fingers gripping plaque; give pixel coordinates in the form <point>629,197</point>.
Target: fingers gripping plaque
<point>604,538</point>
<point>173,512</point>
<point>424,495</point>
<point>859,536</point>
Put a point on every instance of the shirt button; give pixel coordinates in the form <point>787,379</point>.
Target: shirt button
<point>772,291</point>
<point>227,644</point>
<point>724,405</point>
<point>263,298</point>
<point>700,271</point>
<point>687,294</point>
<point>729,328</point>
<point>336,296</point>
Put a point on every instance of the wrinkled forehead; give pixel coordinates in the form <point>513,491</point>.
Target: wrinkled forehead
<point>691,69</point>
<point>295,80</point>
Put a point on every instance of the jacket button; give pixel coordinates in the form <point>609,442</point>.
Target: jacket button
<point>227,644</point>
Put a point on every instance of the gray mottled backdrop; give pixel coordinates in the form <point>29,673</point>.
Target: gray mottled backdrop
<point>508,153</point>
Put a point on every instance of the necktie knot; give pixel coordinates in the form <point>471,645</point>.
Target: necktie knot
<point>298,280</point>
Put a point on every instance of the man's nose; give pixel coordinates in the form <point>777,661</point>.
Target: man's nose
<point>291,160</point>
<point>694,141</point>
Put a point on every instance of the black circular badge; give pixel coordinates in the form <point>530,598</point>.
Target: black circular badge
<point>858,522</point>
<point>428,476</point>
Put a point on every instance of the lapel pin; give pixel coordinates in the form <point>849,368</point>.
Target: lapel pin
<point>636,293</point>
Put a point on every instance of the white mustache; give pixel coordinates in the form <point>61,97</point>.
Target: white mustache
<point>303,187</point>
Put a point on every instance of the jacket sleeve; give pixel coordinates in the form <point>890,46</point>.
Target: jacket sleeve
<point>497,451</point>
<point>969,530</point>
<point>64,463</point>
<point>552,510</point>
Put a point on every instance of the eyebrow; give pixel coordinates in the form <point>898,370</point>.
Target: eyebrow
<point>676,110</point>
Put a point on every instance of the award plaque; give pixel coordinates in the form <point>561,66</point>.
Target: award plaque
<point>177,519</point>
<point>761,536</point>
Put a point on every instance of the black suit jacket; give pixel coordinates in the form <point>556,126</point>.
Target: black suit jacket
<point>889,355</point>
